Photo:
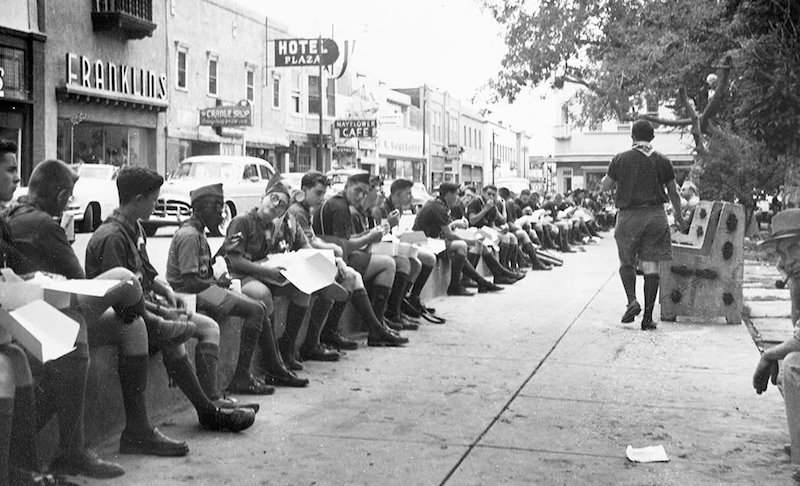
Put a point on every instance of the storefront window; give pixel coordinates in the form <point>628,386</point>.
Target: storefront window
<point>12,74</point>
<point>93,143</point>
<point>314,94</point>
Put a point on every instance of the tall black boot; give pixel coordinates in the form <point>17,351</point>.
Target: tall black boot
<point>483,284</point>
<point>503,256</point>
<point>457,263</point>
<point>379,299</point>
<point>243,381</point>
<point>396,296</point>
<point>287,344</point>
<point>537,264</point>
<point>498,270</point>
<point>23,435</point>
<point>473,259</point>
<point>6,419</point>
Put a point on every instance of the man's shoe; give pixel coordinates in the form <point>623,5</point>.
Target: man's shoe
<point>286,378</point>
<point>336,340</point>
<point>24,477</point>
<point>468,283</point>
<point>542,266</point>
<point>318,353</point>
<point>489,288</point>
<point>648,325</point>
<point>249,386</point>
<point>230,402</point>
<point>232,419</point>
<point>409,323</point>
<point>289,358</point>
<point>152,444</point>
<point>393,323</point>
<point>385,338</point>
<point>86,464</point>
<point>503,280</point>
<point>459,291</point>
<point>631,312</point>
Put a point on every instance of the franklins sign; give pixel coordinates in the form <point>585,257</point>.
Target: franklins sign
<point>305,52</point>
<point>114,78</point>
<point>355,128</point>
<point>238,115</point>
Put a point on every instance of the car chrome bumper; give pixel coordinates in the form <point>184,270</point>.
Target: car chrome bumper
<point>170,212</point>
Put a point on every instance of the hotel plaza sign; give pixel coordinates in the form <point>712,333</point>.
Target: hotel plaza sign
<point>238,115</point>
<point>305,52</point>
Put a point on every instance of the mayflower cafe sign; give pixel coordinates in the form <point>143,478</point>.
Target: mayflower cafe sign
<point>355,128</point>
<point>238,115</point>
<point>305,52</point>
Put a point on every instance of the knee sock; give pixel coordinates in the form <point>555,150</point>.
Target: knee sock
<point>627,274</point>
<point>650,294</point>
<point>335,315</point>
<point>366,309</point>
<point>473,259</point>
<point>247,346</point>
<point>270,357</point>
<point>419,283</point>
<point>503,256</point>
<point>319,315</point>
<point>294,321</point>
<point>133,381</point>
<point>23,434</point>
<point>181,372</point>
<point>495,267</point>
<point>396,295</point>
<point>379,299</point>
<point>470,272</point>
<point>457,263</point>
<point>206,359</point>
<point>73,370</point>
<point>6,420</point>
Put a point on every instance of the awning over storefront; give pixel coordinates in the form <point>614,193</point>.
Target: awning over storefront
<point>74,92</point>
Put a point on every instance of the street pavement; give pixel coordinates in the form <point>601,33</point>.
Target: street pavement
<point>537,384</point>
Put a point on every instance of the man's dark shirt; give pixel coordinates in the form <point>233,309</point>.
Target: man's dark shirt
<point>42,243</point>
<point>120,242</point>
<point>302,214</point>
<point>458,211</point>
<point>513,211</point>
<point>640,179</point>
<point>333,218</point>
<point>431,217</point>
<point>489,218</point>
<point>361,221</point>
<point>553,209</point>
<point>189,253</point>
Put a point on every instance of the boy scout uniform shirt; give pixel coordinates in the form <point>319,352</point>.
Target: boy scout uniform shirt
<point>640,179</point>
<point>189,253</point>
<point>302,215</point>
<point>252,239</point>
<point>476,206</point>
<point>430,219</point>
<point>41,242</point>
<point>333,218</point>
<point>120,242</point>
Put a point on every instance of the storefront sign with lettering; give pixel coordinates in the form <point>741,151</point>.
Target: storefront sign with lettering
<point>238,115</point>
<point>355,128</point>
<point>120,79</point>
<point>305,52</point>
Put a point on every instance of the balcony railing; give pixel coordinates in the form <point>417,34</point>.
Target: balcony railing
<point>132,17</point>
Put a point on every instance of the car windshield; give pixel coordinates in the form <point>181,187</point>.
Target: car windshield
<point>94,171</point>
<point>207,170</point>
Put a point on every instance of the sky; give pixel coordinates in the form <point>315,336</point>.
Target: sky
<point>451,45</point>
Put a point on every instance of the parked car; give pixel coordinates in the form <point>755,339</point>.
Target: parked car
<point>338,177</point>
<point>94,196</point>
<point>419,194</point>
<point>244,181</point>
<point>513,184</point>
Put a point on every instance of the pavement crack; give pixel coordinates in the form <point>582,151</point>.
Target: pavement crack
<point>519,389</point>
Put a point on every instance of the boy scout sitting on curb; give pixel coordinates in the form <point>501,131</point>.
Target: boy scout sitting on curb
<point>189,270</point>
<point>785,240</point>
<point>120,241</point>
<point>250,238</point>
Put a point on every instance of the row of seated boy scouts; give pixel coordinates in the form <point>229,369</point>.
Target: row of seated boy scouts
<point>140,316</point>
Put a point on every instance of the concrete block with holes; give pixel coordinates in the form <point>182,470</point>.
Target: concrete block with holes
<point>704,278</point>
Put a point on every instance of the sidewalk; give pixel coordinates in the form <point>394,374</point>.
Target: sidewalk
<point>538,384</point>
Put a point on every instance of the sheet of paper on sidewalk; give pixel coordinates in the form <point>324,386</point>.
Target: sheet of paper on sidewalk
<point>647,454</point>
<point>41,329</point>
<point>309,270</point>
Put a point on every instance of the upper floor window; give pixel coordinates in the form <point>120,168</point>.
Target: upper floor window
<point>212,75</point>
<point>314,94</point>
<point>330,95</point>
<point>276,92</point>
<point>180,80</point>
<point>250,80</point>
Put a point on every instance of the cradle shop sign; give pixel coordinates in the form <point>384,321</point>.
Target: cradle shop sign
<point>305,52</point>
<point>355,128</point>
<point>238,115</point>
<point>120,79</point>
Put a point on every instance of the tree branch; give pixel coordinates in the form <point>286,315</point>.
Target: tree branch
<point>697,134</point>
<point>715,103</point>
<point>678,122</point>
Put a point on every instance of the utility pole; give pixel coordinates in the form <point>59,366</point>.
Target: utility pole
<point>493,149</point>
<point>320,161</point>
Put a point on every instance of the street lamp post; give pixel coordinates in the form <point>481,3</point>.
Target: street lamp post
<point>493,149</point>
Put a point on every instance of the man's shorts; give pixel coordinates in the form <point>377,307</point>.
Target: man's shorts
<point>642,234</point>
<point>359,260</point>
<point>216,301</point>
